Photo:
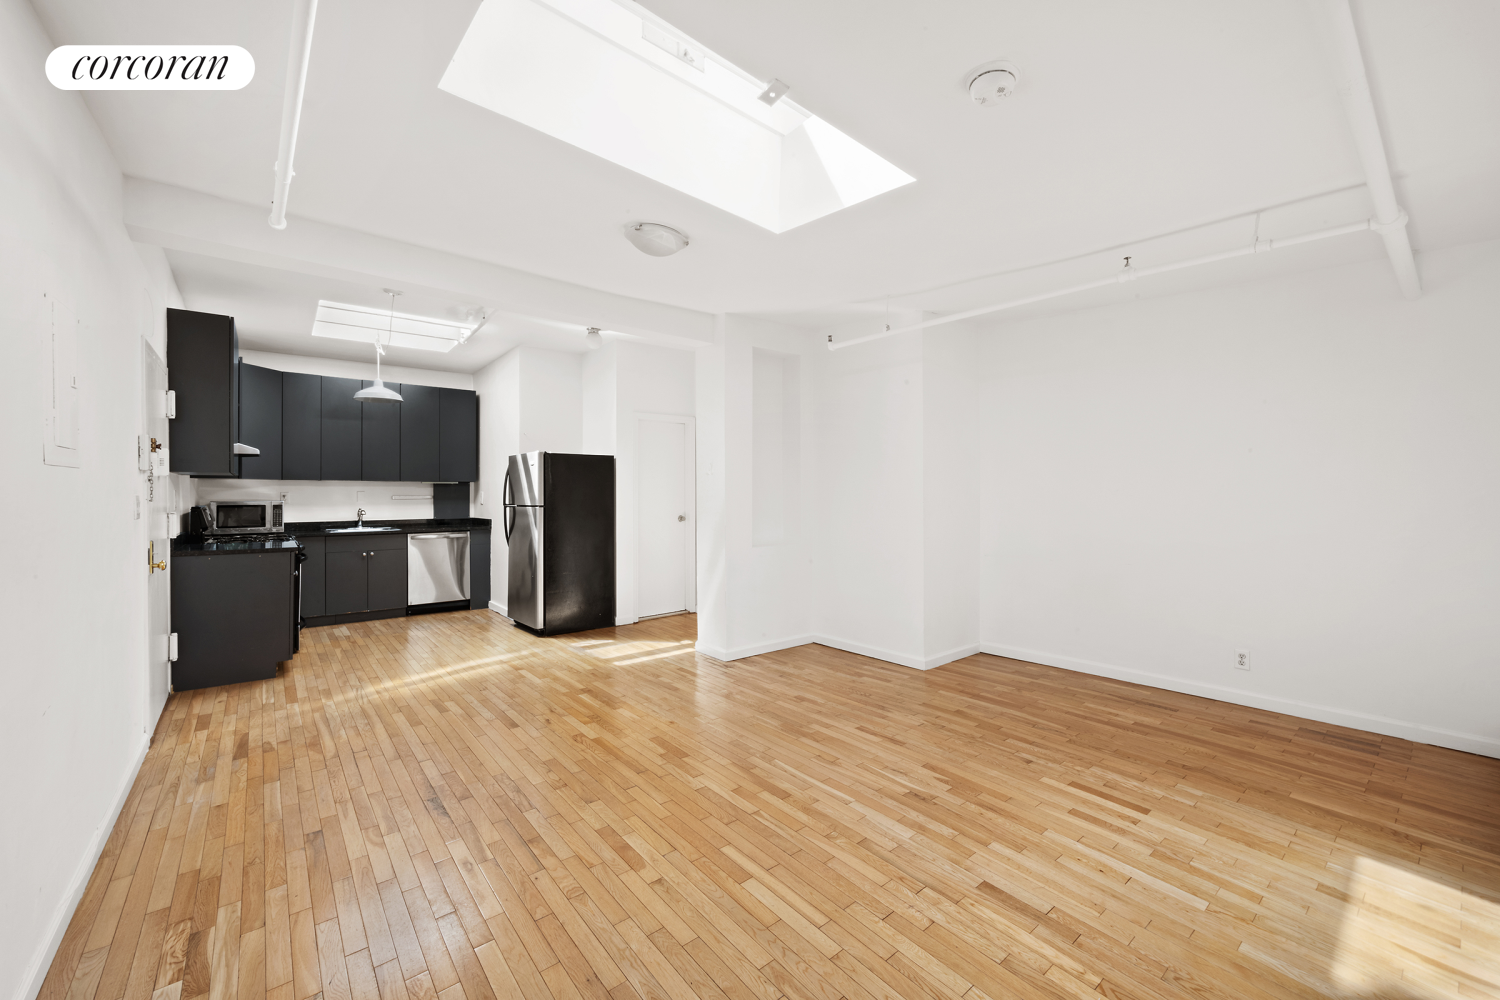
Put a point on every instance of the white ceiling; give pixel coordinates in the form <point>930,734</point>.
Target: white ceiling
<point>1132,120</point>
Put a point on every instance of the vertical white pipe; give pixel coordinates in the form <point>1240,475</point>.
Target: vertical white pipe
<point>298,54</point>
<point>1360,107</point>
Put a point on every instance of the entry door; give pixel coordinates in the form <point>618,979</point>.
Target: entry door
<point>664,531</point>
<point>157,503</point>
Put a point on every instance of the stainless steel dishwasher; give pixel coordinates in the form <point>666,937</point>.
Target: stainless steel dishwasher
<point>437,567</point>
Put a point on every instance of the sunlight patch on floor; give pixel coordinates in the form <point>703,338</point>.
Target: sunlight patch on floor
<point>1407,935</point>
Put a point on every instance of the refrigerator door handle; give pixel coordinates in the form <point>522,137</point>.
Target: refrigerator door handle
<point>510,520</point>
<point>505,490</point>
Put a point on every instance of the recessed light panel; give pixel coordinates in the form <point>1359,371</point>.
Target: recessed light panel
<point>365,325</point>
<point>609,77</point>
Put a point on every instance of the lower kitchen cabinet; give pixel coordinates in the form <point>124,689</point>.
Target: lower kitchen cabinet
<point>234,615</point>
<point>364,573</point>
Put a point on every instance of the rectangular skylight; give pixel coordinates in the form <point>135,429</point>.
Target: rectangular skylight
<point>611,78</point>
<point>363,324</point>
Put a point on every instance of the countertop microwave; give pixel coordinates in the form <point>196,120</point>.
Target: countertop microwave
<point>244,517</point>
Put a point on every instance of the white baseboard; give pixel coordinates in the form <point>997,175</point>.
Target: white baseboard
<point>1416,732</point>
<point>754,649</point>
<point>875,652</point>
<point>956,653</point>
<point>498,608</point>
<point>41,961</point>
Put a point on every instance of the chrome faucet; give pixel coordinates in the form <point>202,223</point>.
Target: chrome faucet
<point>361,522</point>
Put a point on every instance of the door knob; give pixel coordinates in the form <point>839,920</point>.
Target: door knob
<point>682,517</point>
<point>152,565</point>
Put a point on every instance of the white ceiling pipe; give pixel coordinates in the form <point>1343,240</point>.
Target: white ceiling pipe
<point>298,54</point>
<point>1126,274</point>
<point>1360,107</point>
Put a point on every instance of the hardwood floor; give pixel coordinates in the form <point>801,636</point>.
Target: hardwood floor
<point>445,806</point>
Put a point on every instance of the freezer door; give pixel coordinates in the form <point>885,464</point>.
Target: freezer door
<point>437,567</point>
<point>523,480</point>
<point>527,570</point>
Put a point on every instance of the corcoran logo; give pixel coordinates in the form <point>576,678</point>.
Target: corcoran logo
<point>150,67</point>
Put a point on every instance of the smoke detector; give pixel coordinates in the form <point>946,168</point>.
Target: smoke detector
<point>655,239</point>
<point>989,83</point>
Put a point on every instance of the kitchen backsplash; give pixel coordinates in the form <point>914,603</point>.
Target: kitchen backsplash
<point>308,500</point>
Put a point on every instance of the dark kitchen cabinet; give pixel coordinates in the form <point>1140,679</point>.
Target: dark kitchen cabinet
<point>260,421</point>
<point>313,575</point>
<point>419,433</point>
<point>387,577</point>
<point>301,426</point>
<point>458,427</point>
<point>380,430</point>
<point>202,352</point>
<point>364,573</point>
<point>233,615</point>
<point>479,569</point>
<point>340,430</point>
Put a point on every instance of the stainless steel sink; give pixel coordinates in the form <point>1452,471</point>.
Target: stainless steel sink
<point>364,530</point>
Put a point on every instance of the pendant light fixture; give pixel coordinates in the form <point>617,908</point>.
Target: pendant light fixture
<point>378,391</point>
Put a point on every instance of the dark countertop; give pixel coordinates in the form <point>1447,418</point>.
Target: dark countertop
<point>184,546</point>
<point>303,529</point>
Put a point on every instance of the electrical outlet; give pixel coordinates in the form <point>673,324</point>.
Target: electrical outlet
<point>1242,659</point>
<point>137,506</point>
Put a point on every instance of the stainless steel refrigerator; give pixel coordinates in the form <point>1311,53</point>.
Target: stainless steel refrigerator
<point>560,528</point>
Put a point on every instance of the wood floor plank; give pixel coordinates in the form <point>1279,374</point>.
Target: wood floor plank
<point>444,807</point>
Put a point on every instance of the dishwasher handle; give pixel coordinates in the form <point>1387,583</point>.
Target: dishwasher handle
<point>443,534</point>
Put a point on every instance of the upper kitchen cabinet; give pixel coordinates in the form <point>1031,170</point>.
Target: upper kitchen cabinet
<point>419,433</point>
<point>260,421</point>
<point>301,426</point>
<point>341,429</point>
<point>380,445</point>
<point>458,426</point>
<point>202,352</point>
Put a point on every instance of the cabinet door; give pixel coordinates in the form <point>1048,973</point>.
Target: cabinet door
<point>202,351</point>
<point>479,569</point>
<point>419,433</point>
<point>344,583</point>
<point>301,426</point>
<point>458,427</point>
<point>342,415</point>
<point>387,568</point>
<point>380,431</point>
<point>260,421</point>
<point>313,575</point>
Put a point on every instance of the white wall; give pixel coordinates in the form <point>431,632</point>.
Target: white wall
<point>74,720</point>
<point>751,598</point>
<point>871,527</point>
<point>499,387</point>
<point>1307,467</point>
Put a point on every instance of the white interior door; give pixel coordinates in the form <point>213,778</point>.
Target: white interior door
<point>665,527</point>
<point>156,509</point>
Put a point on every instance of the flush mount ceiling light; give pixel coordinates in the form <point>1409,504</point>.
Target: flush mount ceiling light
<point>611,78</point>
<point>655,239</point>
<point>992,82</point>
<point>378,392</point>
<point>342,321</point>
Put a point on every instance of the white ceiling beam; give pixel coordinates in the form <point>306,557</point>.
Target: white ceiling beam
<point>178,219</point>
<point>1359,105</point>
